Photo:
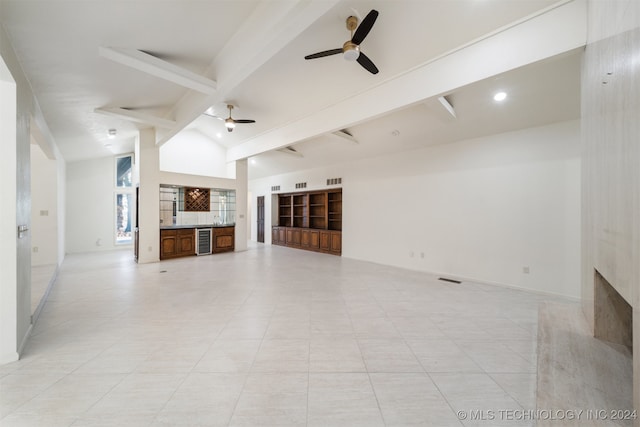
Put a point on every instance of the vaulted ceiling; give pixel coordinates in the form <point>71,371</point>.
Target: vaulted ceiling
<point>125,65</point>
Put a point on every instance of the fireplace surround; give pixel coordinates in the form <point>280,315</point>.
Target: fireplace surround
<point>612,314</point>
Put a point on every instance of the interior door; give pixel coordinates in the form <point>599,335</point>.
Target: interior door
<point>261,219</point>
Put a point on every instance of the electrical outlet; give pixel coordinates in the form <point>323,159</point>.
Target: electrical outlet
<point>35,249</point>
<point>422,255</point>
<point>525,270</point>
<point>411,254</point>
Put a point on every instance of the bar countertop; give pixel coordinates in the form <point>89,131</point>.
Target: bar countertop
<point>177,227</point>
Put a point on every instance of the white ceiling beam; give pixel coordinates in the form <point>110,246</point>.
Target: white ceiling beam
<point>149,64</point>
<point>447,106</point>
<point>557,30</point>
<point>291,151</point>
<point>38,138</point>
<point>344,136</point>
<point>136,116</point>
<point>440,108</point>
<point>269,29</point>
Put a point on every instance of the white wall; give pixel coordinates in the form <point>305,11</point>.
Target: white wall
<point>611,172</point>
<point>44,208</point>
<point>18,109</point>
<point>611,137</point>
<point>90,207</point>
<point>61,178</point>
<point>191,152</point>
<point>480,209</point>
<point>9,313</point>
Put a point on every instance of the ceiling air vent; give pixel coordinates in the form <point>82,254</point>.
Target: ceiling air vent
<point>334,181</point>
<point>444,279</point>
<point>301,185</point>
<point>275,188</point>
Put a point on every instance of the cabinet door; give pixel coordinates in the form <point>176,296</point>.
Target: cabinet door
<point>325,241</point>
<point>223,239</point>
<point>282,236</point>
<point>305,239</point>
<point>274,236</point>
<point>336,243</point>
<point>168,245</point>
<point>186,242</point>
<point>293,236</point>
<point>314,240</point>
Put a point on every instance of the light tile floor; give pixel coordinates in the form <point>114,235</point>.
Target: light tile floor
<point>41,276</point>
<point>270,336</point>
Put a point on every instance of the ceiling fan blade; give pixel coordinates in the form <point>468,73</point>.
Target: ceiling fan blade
<point>243,121</point>
<point>365,27</point>
<point>367,63</point>
<point>324,53</point>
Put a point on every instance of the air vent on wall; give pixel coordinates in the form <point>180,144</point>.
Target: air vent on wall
<point>301,185</point>
<point>334,181</point>
<point>275,188</point>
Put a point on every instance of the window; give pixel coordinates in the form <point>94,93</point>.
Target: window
<point>124,169</point>
<point>123,218</point>
<point>123,199</point>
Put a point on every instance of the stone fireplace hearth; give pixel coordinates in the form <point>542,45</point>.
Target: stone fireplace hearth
<point>581,373</point>
<point>613,316</point>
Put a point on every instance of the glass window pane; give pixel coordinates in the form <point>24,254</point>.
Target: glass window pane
<point>123,218</point>
<point>124,171</point>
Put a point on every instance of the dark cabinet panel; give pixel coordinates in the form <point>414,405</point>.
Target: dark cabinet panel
<point>223,239</point>
<point>336,242</point>
<point>314,239</point>
<point>177,243</point>
<point>168,247</point>
<point>305,239</point>
<point>326,241</point>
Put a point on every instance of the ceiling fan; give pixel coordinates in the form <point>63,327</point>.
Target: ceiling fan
<point>351,48</point>
<point>229,122</point>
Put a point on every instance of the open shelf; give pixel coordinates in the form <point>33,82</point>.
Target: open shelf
<point>310,220</point>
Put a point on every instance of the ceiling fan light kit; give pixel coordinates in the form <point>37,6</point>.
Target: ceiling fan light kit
<point>351,51</point>
<point>351,48</point>
<point>229,122</point>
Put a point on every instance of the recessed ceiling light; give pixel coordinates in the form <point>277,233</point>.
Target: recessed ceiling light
<point>253,161</point>
<point>218,135</point>
<point>500,96</point>
<point>395,132</point>
<point>112,133</point>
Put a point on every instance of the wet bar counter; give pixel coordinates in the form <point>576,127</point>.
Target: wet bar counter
<point>189,240</point>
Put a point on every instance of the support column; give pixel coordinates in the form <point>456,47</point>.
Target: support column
<point>242,191</point>
<point>148,161</point>
<point>8,232</point>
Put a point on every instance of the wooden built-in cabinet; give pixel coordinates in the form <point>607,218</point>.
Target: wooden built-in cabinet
<point>223,239</point>
<point>176,243</point>
<point>180,242</point>
<point>310,220</point>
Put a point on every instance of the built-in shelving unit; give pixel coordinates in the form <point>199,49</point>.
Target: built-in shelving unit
<point>335,210</point>
<point>318,210</point>
<point>310,220</point>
